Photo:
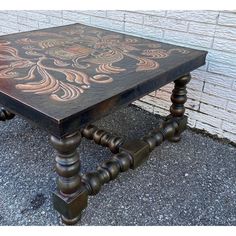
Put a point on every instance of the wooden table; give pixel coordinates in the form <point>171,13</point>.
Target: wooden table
<point>66,77</point>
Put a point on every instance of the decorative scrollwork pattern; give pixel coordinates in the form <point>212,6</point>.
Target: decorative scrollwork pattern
<point>63,63</point>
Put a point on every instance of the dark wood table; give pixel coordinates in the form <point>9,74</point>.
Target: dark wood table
<point>66,77</point>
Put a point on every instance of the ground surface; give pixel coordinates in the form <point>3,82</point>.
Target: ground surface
<point>189,183</point>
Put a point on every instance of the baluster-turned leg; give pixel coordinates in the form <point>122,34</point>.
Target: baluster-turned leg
<point>178,99</point>
<point>71,197</point>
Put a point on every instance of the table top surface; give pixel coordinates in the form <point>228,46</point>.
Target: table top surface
<point>77,71</point>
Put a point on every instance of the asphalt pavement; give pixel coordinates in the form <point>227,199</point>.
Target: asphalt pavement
<point>192,182</point>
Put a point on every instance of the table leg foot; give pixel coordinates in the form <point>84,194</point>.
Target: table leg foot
<point>176,138</point>
<point>71,196</point>
<point>67,221</point>
<point>5,114</point>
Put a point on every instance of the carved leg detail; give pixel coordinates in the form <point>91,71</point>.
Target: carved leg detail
<point>131,155</point>
<point>74,189</point>
<point>102,137</point>
<point>71,197</point>
<point>178,98</point>
<point>5,115</point>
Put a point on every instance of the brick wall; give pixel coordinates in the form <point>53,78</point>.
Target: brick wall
<point>212,91</point>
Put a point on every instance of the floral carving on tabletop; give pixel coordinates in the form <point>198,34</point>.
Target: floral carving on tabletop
<point>60,64</point>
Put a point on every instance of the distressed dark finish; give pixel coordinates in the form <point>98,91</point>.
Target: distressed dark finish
<point>66,77</point>
<point>70,199</point>
<point>5,114</point>
<point>178,98</point>
<point>102,137</point>
<point>131,155</point>
<point>99,70</point>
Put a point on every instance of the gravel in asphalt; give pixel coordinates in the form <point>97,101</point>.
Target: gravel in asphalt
<point>192,182</point>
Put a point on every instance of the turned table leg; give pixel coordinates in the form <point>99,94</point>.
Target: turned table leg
<point>5,114</point>
<point>71,197</point>
<point>178,98</point>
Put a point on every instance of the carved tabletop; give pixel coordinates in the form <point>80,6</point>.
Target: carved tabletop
<point>65,77</point>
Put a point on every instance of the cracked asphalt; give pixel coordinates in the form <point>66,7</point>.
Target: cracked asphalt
<point>192,182</point>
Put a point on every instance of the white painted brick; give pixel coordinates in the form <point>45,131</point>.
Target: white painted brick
<point>207,119</point>
<point>218,112</point>
<point>155,13</point>
<point>107,23</point>
<point>229,136</point>
<point>133,28</point>
<point>118,26</point>
<point>160,112</point>
<point>200,16</point>
<point>55,20</point>
<point>163,95</point>
<point>166,23</point>
<point>81,18</point>
<point>225,32</point>
<point>222,69</point>
<point>152,93</point>
<point>27,22</point>
<point>213,100</point>
<point>24,28</point>
<point>195,84</point>
<point>17,13</point>
<point>12,25</point>
<point>192,104</point>
<point>144,106</point>
<point>209,128</point>
<point>202,28</point>
<point>149,99</point>
<point>51,13</point>
<point>133,17</point>
<point>219,56</point>
<point>194,94</point>
<point>152,32</point>
<point>100,13</point>
<point>213,78</point>
<point>68,22</point>
<point>189,39</point>
<point>224,45</point>
<point>116,15</point>
<point>234,85</point>
<point>7,30</point>
<point>156,102</point>
<point>169,87</point>
<point>7,17</point>
<point>191,122</point>
<point>231,106</point>
<point>220,91</point>
<point>161,108</point>
<point>43,25</point>
<point>227,18</point>
<point>35,15</point>
<point>75,17</point>
<point>229,127</point>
